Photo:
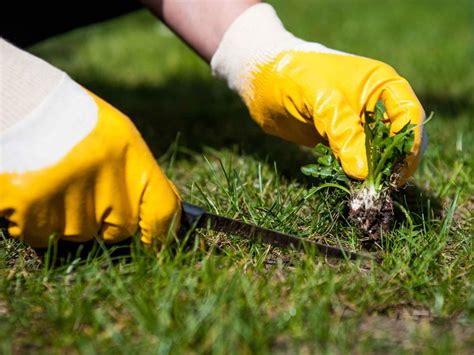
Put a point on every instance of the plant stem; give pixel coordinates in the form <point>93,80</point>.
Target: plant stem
<point>326,185</point>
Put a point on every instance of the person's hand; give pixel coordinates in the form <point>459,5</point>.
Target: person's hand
<point>307,93</point>
<point>77,168</point>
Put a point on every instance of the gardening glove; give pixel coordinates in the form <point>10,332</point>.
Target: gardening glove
<point>307,93</point>
<point>74,166</point>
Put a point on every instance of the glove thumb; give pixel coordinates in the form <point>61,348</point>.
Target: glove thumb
<point>160,209</point>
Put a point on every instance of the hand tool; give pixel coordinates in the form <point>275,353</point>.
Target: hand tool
<point>195,217</point>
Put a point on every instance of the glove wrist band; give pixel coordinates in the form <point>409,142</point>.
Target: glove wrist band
<point>43,112</point>
<point>44,136</point>
<point>257,35</point>
<point>26,82</point>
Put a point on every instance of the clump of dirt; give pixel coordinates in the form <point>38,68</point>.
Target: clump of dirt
<point>372,212</point>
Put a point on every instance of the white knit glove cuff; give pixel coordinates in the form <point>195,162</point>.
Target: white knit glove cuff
<point>43,112</point>
<point>25,82</point>
<point>255,37</point>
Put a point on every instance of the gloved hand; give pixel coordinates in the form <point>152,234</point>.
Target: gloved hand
<point>307,93</point>
<point>78,168</point>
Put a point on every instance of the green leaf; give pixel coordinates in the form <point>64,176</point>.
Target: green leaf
<point>321,150</point>
<point>383,152</point>
<point>342,177</point>
<point>408,146</point>
<point>379,110</point>
<point>368,145</point>
<point>326,172</point>
<point>310,170</point>
<point>326,160</point>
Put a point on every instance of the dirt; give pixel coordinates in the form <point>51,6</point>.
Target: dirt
<point>372,213</point>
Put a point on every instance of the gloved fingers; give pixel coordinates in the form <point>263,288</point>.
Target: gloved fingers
<point>40,216</point>
<point>337,121</point>
<point>115,210</point>
<point>160,209</point>
<point>402,106</point>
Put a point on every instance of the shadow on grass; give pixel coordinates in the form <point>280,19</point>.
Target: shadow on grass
<point>65,252</point>
<point>204,114</point>
<point>421,205</point>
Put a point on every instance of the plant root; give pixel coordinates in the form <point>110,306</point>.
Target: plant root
<point>371,212</point>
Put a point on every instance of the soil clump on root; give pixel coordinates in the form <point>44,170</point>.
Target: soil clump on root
<point>371,212</point>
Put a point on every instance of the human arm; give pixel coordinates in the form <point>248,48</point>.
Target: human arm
<point>200,23</point>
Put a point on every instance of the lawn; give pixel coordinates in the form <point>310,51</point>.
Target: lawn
<point>223,295</point>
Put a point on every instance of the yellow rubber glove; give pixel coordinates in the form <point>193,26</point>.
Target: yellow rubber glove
<point>78,168</point>
<point>307,93</point>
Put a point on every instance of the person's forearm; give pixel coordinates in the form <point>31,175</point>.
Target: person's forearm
<point>200,23</point>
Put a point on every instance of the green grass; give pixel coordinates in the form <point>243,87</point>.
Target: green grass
<point>225,295</point>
